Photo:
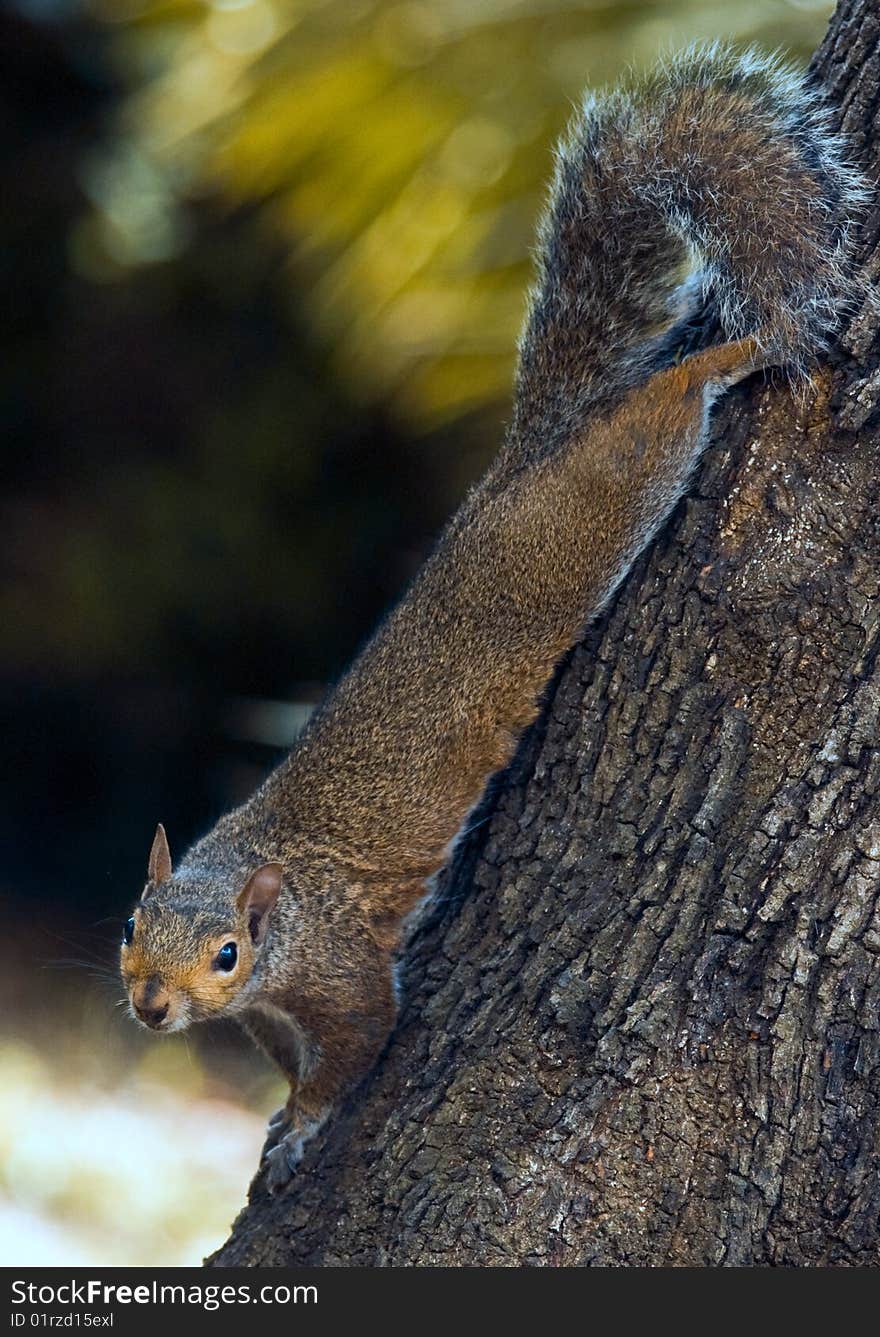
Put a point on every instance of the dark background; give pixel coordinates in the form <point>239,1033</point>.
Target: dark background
<point>194,513</point>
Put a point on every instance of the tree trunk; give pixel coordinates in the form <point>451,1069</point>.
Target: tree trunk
<point>640,1020</point>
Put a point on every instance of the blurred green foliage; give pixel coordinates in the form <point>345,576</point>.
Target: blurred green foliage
<point>400,149</point>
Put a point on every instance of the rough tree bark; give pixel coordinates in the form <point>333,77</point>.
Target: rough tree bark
<point>642,1019</point>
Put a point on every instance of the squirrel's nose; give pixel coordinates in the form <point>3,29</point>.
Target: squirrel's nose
<point>150,1000</point>
<point>152,1016</point>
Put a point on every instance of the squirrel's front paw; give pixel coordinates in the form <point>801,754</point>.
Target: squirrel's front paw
<point>283,1157</point>
<point>287,1134</point>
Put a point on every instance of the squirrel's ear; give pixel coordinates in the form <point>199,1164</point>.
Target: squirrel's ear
<point>258,896</point>
<point>159,867</point>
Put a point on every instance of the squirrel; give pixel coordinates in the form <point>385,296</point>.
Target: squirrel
<point>713,184</point>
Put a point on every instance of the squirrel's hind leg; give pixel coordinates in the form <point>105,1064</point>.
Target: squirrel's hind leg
<point>720,365</point>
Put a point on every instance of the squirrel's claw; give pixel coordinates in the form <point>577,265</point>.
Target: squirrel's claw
<point>282,1160</point>
<point>275,1129</point>
<point>287,1134</point>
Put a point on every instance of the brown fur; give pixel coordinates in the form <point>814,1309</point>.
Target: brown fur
<point>606,431</point>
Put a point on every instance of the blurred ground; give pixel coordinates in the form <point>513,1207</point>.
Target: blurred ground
<point>262,266</point>
<point>150,1171</point>
<point>116,1147</point>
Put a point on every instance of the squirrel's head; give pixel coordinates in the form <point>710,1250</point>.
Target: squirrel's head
<point>185,956</point>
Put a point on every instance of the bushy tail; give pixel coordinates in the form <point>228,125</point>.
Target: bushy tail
<point>721,163</point>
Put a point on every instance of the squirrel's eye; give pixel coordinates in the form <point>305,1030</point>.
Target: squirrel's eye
<point>226,957</point>
<point>128,930</point>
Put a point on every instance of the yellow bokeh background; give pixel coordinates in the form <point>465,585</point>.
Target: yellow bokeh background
<point>401,149</point>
